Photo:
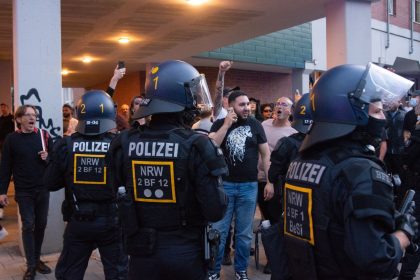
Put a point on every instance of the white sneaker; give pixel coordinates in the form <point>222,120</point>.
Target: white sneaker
<point>3,233</point>
<point>1,213</point>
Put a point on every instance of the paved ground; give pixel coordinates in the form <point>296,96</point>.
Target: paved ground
<point>12,264</point>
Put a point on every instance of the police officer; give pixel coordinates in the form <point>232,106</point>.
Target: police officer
<point>172,175</point>
<point>285,151</point>
<point>78,163</point>
<point>338,214</point>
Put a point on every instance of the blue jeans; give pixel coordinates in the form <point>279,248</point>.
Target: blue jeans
<point>242,201</point>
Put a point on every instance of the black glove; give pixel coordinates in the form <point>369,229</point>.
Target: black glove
<point>408,224</point>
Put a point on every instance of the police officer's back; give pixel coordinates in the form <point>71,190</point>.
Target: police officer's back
<point>78,163</point>
<point>172,175</point>
<point>339,215</point>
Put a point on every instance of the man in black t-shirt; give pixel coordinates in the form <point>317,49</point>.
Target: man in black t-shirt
<point>24,156</point>
<point>241,138</point>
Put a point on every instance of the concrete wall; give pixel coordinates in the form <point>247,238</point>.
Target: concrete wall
<point>401,17</point>
<point>131,85</point>
<point>265,86</point>
<point>398,45</point>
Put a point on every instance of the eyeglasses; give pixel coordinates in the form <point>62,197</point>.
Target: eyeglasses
<point>30,115</point>
<point>282,104</point>
<point>268,111</point>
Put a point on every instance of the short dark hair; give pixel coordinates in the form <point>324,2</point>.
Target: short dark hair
<point>254,100</point>
<point>3,104</point>
<point>68,106</point>
<point>235,94</point>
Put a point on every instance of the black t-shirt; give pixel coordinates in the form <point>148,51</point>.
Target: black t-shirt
<point>20,157</point>
<point>410,120</point>
<point>240,147</point>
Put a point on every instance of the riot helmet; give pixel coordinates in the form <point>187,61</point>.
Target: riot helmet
<point>96,113</point>
<point>340,99</point>
<point>174,86</point>
<point>302,118</point>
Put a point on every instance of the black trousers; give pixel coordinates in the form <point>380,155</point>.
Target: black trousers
<point>270,209</point>
<point>178,255</point>
<point>81,238</point>
<point>33,209</point>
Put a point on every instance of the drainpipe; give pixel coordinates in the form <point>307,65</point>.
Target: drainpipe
<point>387,24</point>
<point>411,26</point>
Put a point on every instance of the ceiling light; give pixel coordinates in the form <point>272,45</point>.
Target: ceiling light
<point>123,40</point>
<point>196,2</point>
<point>86,59</point>
<point>65,72</point>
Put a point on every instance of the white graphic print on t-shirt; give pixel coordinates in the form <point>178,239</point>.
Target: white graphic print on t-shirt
<point>235,143</point>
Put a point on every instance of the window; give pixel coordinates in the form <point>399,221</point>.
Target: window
<point>392,8</point>
<point>417,11</point>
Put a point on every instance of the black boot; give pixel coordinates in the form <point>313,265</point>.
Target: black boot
<point>43,268</point>
<point>30,273</point>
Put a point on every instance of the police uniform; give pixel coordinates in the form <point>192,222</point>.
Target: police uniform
<point>285,150</point>
<point>90,208</point>
<point>339,216</point>
<point>339,211</point>
<point>171,176</point>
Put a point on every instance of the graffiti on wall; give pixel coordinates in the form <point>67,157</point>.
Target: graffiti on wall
<point>46,124</point>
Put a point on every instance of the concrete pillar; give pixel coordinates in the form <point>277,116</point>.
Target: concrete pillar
<point>300,80</point>
<point>37,81</point>
<point>6,83</point>
<point>348,32</point>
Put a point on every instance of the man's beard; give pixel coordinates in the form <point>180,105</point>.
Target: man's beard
<point>240,118</point>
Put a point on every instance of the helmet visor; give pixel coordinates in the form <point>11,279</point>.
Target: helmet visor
<point>379,84</point>
<point>200,92</point>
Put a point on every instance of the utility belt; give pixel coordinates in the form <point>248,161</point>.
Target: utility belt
<point>88,211</point>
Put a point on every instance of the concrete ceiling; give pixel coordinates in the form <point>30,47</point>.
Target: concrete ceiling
<point>159,30</point>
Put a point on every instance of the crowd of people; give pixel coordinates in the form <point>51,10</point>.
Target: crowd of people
<point>149,183</point>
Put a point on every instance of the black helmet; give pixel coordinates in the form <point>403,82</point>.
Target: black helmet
<point>96,113</point>
<point>173,86</point>
<point>302,118</point>
<point>340,99</point>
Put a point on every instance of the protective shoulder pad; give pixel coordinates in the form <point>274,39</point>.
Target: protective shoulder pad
<point>212,155</point>
<point>370,191</point>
